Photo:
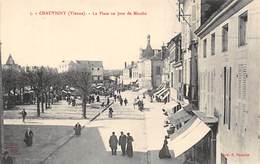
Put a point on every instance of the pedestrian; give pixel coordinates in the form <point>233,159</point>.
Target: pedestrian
<point>113,143</point>
<point>77,129</point>
<point>164,152</point>
<point>115,97</point>
<point>165,100</point>
<point>125,101</point>
<point>108,101</point>
<point>97,98</point>
<point>122,142</point>
<point>7,159</point>
<point>93,98</point>
<point>28,137</point>
<point>110,112</point>
<point>129,147</point>
<point>121,101</point>
<point>24,113</point>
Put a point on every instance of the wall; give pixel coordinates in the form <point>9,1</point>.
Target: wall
<point>244,134</point>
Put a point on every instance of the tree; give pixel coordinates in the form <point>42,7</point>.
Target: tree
<point>82,81</point>
<point>10,84</point>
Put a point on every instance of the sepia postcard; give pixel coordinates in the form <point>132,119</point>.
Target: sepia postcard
<point>129,81</point>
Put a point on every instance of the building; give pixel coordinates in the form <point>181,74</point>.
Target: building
<point>192,13</point>
<point>228,64</point>
<point>151,66</point>
<point>66,65</point>
<point>10,64</point>
<point>95,67</point>
<point>113,75</point>
<point>175,68</point>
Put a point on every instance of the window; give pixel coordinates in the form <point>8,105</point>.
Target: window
<point>205,48</point>
<point>158,70</point>
<point>92,69</point>
<point>98,69</point>
<point>242,29</point>
<point>213,44</point>
<point>225,38</point>
<point>171,79</point>
<point>179,76</point>
<point>227,96</point>
<point>98,77</point>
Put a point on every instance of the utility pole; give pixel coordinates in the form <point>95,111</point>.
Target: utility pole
<point>1,107</point>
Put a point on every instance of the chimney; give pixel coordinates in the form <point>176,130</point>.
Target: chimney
<point>132,63</point>
<point>125,65</point>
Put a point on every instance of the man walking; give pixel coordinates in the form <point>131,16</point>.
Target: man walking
<point>24,113</point>
<point>113,143</point>
<point>122,142</point>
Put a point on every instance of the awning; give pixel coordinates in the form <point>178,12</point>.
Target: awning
<point>165,94</point>
<point>188,136</point>
<point>162,93</point>
<point>159,91</point>
<point>160,88</point>
<point>180,116</point>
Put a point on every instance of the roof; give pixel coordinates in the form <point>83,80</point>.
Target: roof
<point>225,11</point>
<point>91,63</point>
<point>205,118</point>
<point>174,39</point>
<point>10,60</point>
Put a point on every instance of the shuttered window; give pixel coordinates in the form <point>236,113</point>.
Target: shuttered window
<point>213,38</point>
<point>225,38</point>
<point>242,29</point>
<point>227,96</point>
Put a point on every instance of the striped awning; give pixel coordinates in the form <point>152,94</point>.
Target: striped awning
<point>160,89</point>
<point>188,136</point>
<point>165,95</point>
<point>161,94</point>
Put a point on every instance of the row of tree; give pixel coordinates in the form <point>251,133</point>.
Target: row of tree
<point>45,84</point>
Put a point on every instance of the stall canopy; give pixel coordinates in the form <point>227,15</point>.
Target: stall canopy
<point>180,116</point>
<point>160,89</point>
<point>165,94</point>
<point>188,136</point>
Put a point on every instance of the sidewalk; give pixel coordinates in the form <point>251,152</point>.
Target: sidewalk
<point>47,138</point>
<point>156,133</point>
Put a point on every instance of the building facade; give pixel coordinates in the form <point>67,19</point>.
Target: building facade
<point>94,67</point>
<point>175,68</point>
<point>228,64</point>
<point>192,13</point>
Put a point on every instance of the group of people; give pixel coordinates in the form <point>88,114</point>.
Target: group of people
<point>124,141</point>
<point>139,102</point>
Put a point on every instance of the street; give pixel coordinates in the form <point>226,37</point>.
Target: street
<point>54,140</point>
<point>92,146</point>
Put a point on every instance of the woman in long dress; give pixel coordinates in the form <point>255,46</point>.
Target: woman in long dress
<point>28,137</point>
<point>129,147</point>
<point>164,152</point>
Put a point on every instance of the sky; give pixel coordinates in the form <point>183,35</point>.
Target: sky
<point>35,39</point>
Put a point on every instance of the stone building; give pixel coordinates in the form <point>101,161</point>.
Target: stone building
<point>193,13</point>
<point>94,67</point>
<point>175,68</point>
<point>150,66</point>
<point>228,67</point>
